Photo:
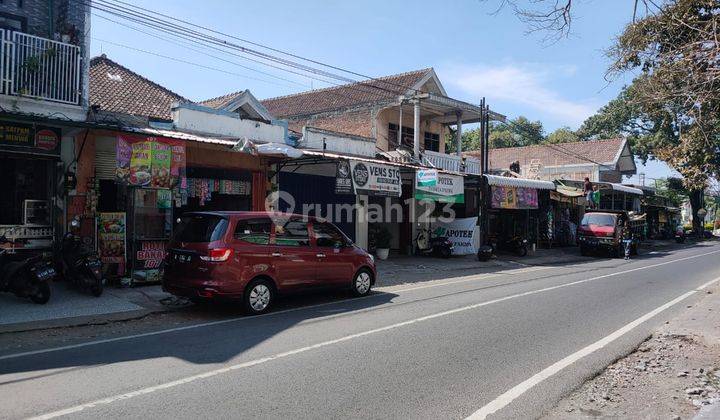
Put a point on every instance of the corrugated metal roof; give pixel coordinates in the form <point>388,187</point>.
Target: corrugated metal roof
<point>626,189</point>
<point>505,181</point>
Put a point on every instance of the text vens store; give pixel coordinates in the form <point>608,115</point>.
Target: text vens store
<point>29,171</point>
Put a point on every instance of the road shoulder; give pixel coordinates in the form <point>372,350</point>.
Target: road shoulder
<point>675,374</point>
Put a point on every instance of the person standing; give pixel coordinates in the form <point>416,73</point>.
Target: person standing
<point>626,238</point>
<point>588,191</point>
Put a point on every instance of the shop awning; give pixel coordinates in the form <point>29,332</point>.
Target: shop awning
<point>569,191</point>
<point>626,189</point>
<point>505,181</point>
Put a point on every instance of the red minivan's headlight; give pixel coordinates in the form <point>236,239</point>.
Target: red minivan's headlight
<point>217,255</point>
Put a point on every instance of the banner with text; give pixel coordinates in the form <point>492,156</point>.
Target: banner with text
<point>462,233</point>
<point>158,162</point>
<point>514,198</point>
<point>447,189</point>
<point>372,178</point>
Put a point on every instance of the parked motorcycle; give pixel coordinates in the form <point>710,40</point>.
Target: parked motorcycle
<point>680,235</point>
<point>25,277</point>
<point>80,266</point>
<point>516,244</point>
<point>429,245</point>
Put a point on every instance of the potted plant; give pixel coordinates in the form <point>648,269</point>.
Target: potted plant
<point>382,243</point>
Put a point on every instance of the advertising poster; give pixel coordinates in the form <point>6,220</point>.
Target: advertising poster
<point>147,260</point>
<point>160,163</point>
<point>514,198</point>
<point>527,198</point>
<point>343,181</point>
<point>140,160</point>
<point>177,164</point>
<point>371,178</point>
<point>150,161</point>
<point>463,234</point>
<point>447,189</point>
<point>112,234</point>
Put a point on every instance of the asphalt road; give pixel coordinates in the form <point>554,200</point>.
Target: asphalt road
<point>508,344</point>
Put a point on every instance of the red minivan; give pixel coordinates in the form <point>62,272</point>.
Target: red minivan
<point>254,256</point>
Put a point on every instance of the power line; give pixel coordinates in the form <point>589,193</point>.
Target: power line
<point>185,45</point>
<point>186,62</point>
<point>203,42</point>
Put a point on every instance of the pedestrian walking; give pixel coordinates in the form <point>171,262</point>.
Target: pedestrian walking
<point>626,238</point>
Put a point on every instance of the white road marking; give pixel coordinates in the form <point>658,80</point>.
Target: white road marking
<point>463,279</point>
<point>513,393</point>
<point>386,289</point>
<point>216,372</point>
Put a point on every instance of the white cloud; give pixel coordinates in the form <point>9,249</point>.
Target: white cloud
<point>525,85</point>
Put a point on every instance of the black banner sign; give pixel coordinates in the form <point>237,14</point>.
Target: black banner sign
<point>38,139</point>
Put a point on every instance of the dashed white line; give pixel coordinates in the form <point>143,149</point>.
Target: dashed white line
<point>226,369</point>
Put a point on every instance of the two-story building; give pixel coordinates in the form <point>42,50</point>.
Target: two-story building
<point>401,121</point>
<point>43,99</point>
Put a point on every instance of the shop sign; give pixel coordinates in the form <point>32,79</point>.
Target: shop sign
<point>42,139</point>
<point>426,177</point>
<point>372,178</point>
<point>343,180</point>
<point>148,259</point>
<point>463,234</point>
<point>151,161</point>
<point>112,232</point>
<point>514,198</point>
<point>47,139</point>
<point>447,189</point>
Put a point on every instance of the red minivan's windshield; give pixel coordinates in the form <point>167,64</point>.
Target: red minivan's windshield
<point>598,219</point>
<point>200,228</point>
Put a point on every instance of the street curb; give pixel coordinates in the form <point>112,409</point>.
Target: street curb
<point>80,321</point>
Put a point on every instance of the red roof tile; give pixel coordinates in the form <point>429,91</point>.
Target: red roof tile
<point>575,153</point>
<point>333,98</point>
<point>116,88</point>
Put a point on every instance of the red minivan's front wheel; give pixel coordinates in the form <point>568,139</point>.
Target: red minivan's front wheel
<point>259,295</point>
<point>362,283</point>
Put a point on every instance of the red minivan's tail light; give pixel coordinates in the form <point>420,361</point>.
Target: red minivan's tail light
<point>217,255</point>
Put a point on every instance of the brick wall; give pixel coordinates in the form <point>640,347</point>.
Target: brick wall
<point>43,22</point>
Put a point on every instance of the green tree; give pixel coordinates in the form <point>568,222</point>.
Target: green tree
<point>562,135</point>
<point>677,93</point>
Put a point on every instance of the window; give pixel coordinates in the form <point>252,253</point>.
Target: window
<point>13,22</point>
<point>254,231</point>
<point>327,235</point>
<point>407,135</point>
<point>432,142</point>
<point>598,219</point>
<point>291,232</point>
<point>200,228</point>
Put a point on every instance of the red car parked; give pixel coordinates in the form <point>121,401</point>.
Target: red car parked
<point>254,256</point>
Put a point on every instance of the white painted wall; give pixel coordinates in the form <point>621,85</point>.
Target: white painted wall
<point>186,119</point>
<point>335,142</point>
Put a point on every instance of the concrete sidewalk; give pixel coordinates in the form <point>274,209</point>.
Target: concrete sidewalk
<point>68,306</point>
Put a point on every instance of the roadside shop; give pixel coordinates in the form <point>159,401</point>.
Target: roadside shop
<point>518,207</point>
<point>137,184</point>
<point>30,173</point>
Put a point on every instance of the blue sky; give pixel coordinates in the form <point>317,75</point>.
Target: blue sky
<point>475,53</point>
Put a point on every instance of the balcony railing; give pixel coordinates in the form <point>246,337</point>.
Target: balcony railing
<point>452,162</point>
<point>39,68</point>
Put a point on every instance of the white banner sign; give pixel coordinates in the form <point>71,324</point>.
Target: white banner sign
<point>376,179</point>
<point>462,233</point>
<point>447,189</point>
